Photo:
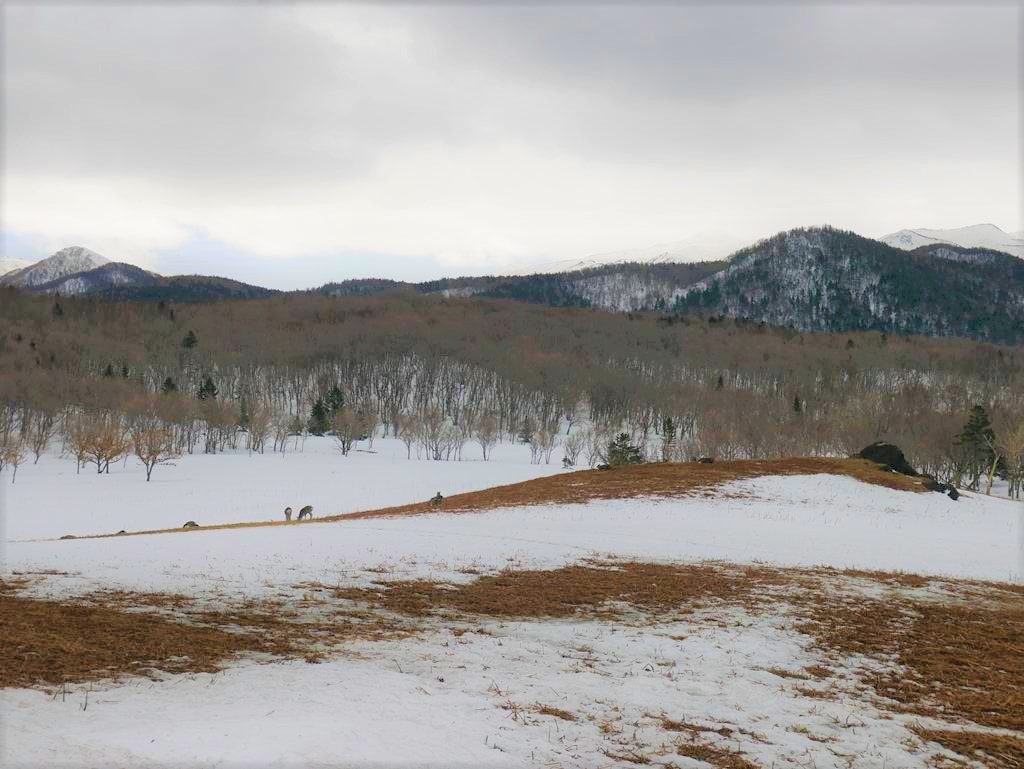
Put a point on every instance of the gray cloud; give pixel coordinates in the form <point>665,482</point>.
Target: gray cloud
<point>501,135</point>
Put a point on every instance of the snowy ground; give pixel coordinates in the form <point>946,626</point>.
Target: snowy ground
<point>796,521</point>
<point>441,699</point>
<point>49,499</point>
<point>447,701</point>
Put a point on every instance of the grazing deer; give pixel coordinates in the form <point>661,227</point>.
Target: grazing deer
<point>306,512</point>
<point>287,513</point>
<point>190,525</point>
<point>436,500</point>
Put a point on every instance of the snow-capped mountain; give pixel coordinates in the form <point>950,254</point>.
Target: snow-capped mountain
<point>10,264</point>
<point>76,271</point>
<point>975,236</point>
<point>65,262</point>
<point>102,278</point>
<point>691,250</point>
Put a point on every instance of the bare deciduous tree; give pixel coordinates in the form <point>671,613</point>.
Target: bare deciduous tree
<point>486,433</point>
<point>260,423</point>
<point>408,427</point>
<point>153,445</point>
<point>40,433</point>
<point>12,454</point>
<point>348,428</point>
<point>573,447</point>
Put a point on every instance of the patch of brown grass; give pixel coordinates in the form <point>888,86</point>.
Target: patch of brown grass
<point>958,659</point>
<point>659,479</point>
<point>551,710</point>
<point>784,673</point>
<point>51,643</point>
<point>723,758</point>
<point>571,590</point>
<point>997,751</point>
<point>117,633</point>
<point>671,725</point>
<point>629,755</point>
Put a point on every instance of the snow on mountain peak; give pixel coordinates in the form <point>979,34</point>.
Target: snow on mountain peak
<point>10,264</point>
<point>67,261</point>
<point>972,236</point>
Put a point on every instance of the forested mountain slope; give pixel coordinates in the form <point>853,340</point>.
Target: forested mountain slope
<point>829,280</point>
<point>816,279</point>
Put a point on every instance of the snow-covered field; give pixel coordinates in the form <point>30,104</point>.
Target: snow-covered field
<point>469,699</point>
<point>794,521</point>
<point>49,499</point>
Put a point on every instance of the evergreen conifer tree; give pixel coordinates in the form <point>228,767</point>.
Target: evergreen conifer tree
<point>207,390</point>
<point>622,452</point>
<point>319,418</point>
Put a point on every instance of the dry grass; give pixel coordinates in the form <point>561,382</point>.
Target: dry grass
<point>961,659</point>
<point>551,710</point>
<point>51,643</point>
<point>109,635</point>
<point>671,725</point>
<point>997,751</point>
<point>723,758</point>
<point>603,590</point>
<point>663,479</point>
<point>955,654</point>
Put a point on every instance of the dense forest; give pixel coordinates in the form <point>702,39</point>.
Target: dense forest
<point>446,372</point>
<point>828,280</point>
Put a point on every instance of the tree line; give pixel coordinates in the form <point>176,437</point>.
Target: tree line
<point>452,376</point>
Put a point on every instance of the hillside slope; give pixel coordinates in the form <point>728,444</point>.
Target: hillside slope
<point>829,280</point>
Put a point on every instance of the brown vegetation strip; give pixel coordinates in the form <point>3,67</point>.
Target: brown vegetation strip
<point>51,643</point>
<point>958,659</point>
<point>722,758</point>
<point>998,751</point>
<point>661,479</point>
<point>117,633</point>
<point>571,590</point>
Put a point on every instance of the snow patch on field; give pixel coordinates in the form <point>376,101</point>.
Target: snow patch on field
<point>473,700</point>
<point>49,499</point>
<point>795,520</point>
<point>474,697</point>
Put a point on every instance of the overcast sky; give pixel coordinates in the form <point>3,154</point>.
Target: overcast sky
<point>289,145</point>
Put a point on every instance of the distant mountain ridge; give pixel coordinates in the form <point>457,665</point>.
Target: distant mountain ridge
<point>79,271</point>
<point>975,236</point>
<point>8,264</point>
<point>813,279</point>
<point>67,261</point>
